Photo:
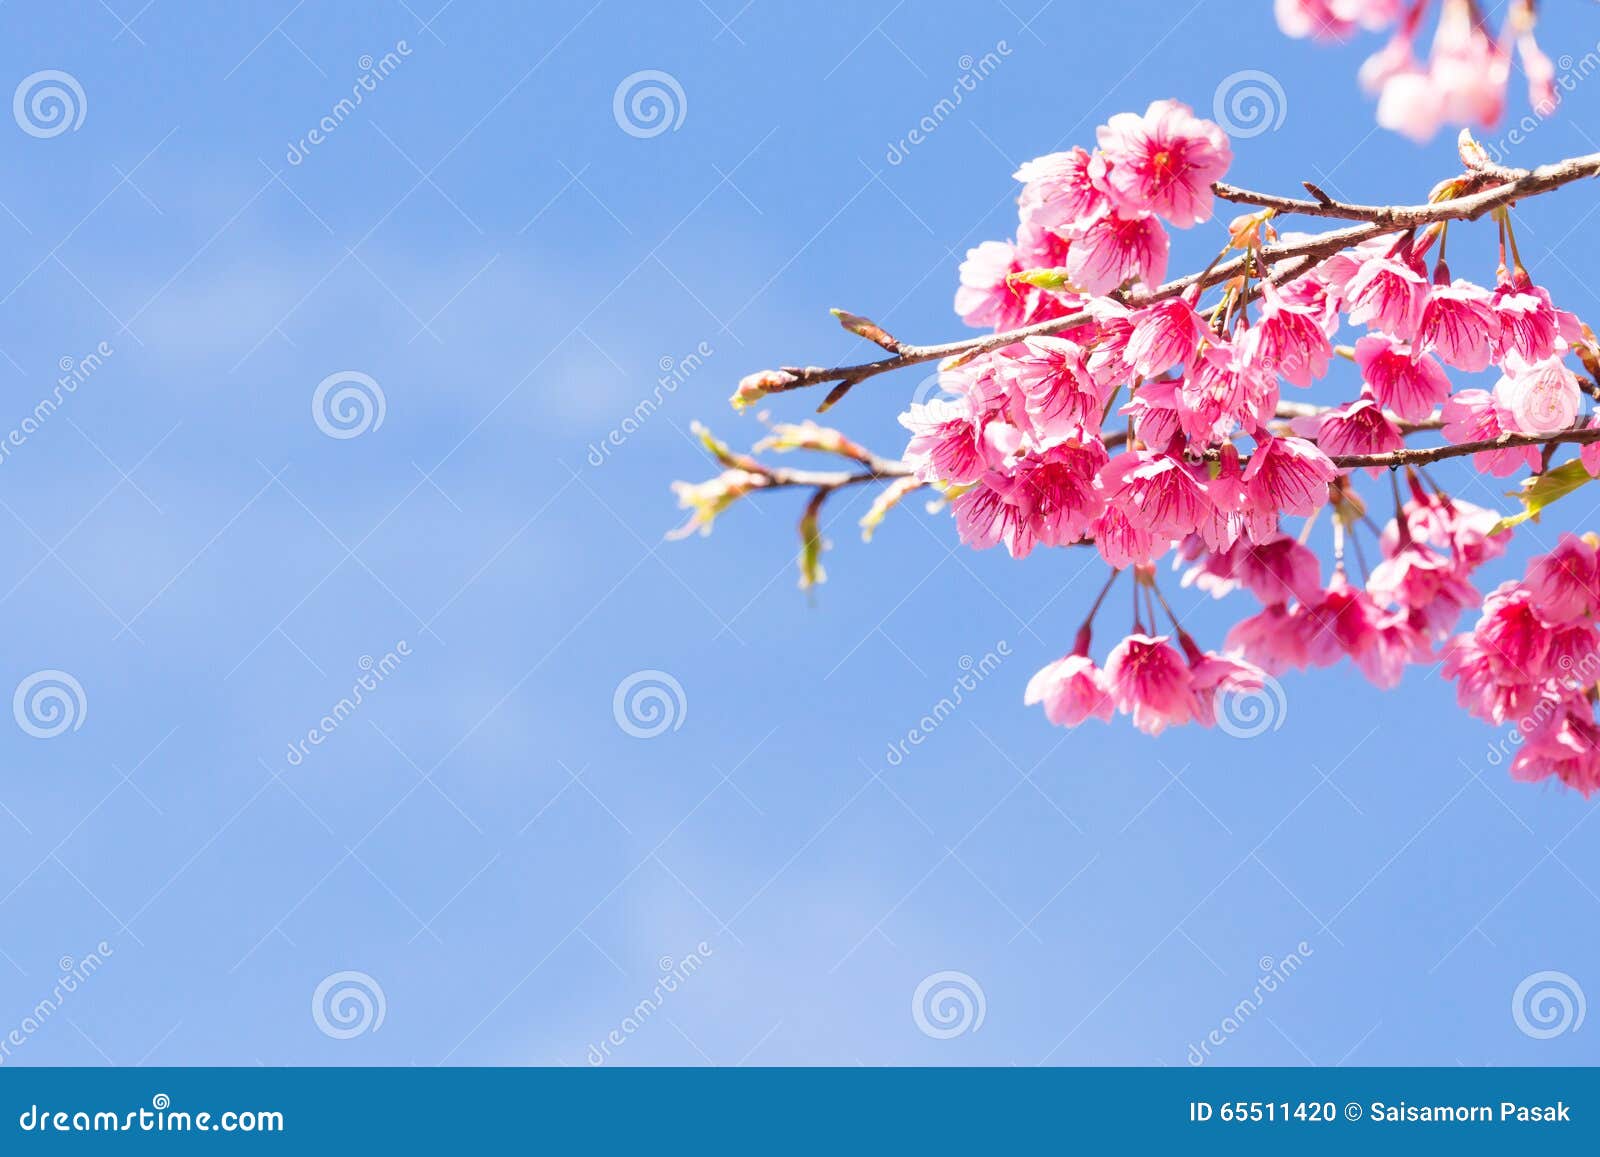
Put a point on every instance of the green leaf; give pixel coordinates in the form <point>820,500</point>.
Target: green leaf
<point>1055,278</point>
<point>1541,490</point>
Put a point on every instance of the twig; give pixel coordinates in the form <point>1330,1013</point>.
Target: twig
<point>1376,220</point>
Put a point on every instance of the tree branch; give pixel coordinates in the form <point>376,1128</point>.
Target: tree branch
<point>885,469</point>
<point>1376,220</point>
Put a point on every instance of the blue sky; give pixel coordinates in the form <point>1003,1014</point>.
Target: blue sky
<point>480,839</point>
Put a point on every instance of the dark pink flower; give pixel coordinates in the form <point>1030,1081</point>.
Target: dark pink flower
<point>1459,323</point>
<point>1150,681</point>
<point>1284,476</point>
<point>1276,638</point>
<point>1540,398</point>
<point>1165,334</point>
<point>1289,338</point>
<point>1120,542</point>
<point>945,445</point>
<point>1157,492</point>
<point>1164,162</point>
<point>1277,570</point>
<point>1529,323</point>
<point>1387,292</point>
<point>1361,427</point>
<point>1048,497</point>
<point>1407,384</point>
<point>1059,393</point>
<point>1059,191</point>
<point>1566,582</point>
<point>1072,690</point>
<point>1567,748</point>
<point>1114,249</point>
<point>1513,637</point>
<point>1480,687</point>
<point>1215,676</point>
<point>1154,410</point>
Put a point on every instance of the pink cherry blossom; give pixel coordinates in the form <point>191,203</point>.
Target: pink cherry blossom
<point>1165,334</point>
<point>1164,162</point>
<point>944,445</point>
<point>1361,427</point>
<point>1480,687</point>
<point>1059,190</point>
<point>1349,623</point>
<point>1290,338</point>
<point>1060,394</point>
<point>1048,498</point>
<point>1277,570</point>
<point>1476,416</point>
<point>1400,380</point>
<point>1387,292</point>
<point>1120,542</point>
<point>1566,582</point>
<point>1154,412</point>
<point>1214,676</point>
<point>1072,690</point>
<point>1540,398</point>
<point>1568,749</point>
<point>1157,492</point>
<point>1288,475</point>
<point>1459,323</point>
<point>1150,681</point>
<point>1276,638</point>
<point>1529,324</point>
<point>1113,249</point>
<point>1514,639</point>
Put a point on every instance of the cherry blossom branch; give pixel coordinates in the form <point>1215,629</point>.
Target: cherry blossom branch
<point>1469,202</point>
<point>886,469</point>
<point>1375,222</point>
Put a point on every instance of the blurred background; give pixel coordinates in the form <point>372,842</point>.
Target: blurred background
<point>341,415</point>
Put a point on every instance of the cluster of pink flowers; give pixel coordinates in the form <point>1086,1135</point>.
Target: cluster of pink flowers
<point>1533,659</point>
<point>1205,462</point>
<point>1463,80</point>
